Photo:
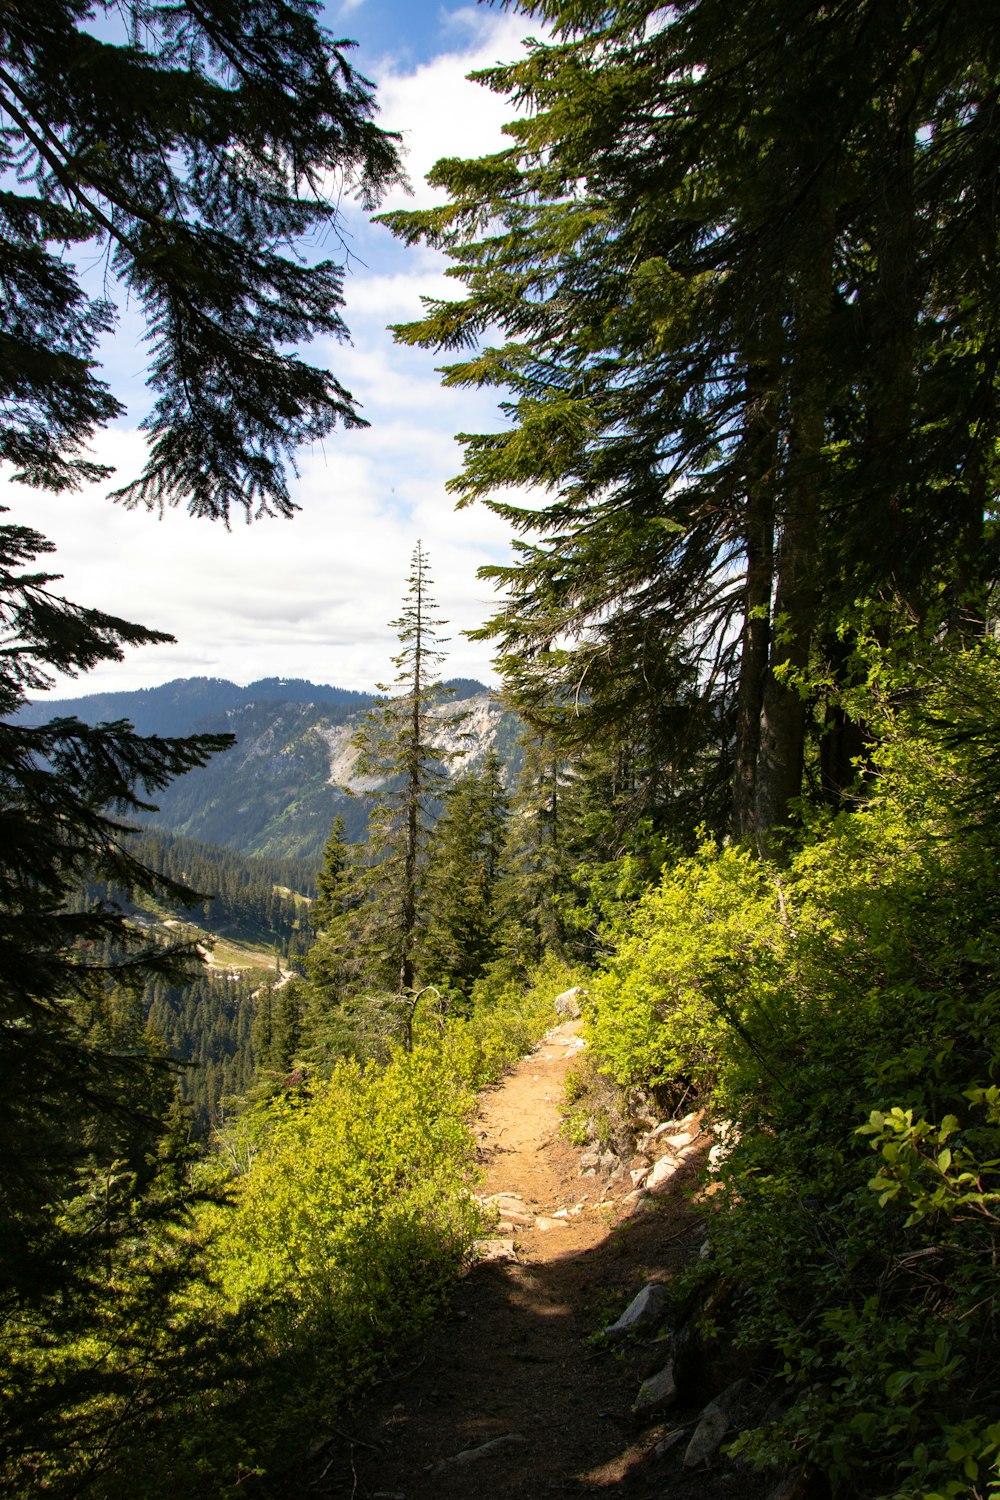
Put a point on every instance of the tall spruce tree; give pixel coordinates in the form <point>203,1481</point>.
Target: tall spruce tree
<point>330,892</point>
<point>750,353</point>
<point>362,970</point>
<point>535,896</point>
<point>335,967</point>
<point>399,746</point>
<point>458,935</point>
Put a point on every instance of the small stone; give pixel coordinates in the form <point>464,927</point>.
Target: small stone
<point>660,1174</point>
<point>568,1003</point>
<point>636,1202</point>
<point>645,1309</point>
<point>505,1200</point>
<point>498,1250</point>
<point>548,1221</point>
<point>510,1209</point>
<point>707,1438</point>
<point>671,1440</point>
<point>471,1455</point>
<point>714,1423</point>
<point>659,1391</point>
<point>658,1351</point>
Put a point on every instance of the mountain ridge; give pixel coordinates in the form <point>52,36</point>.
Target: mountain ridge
<point>176,707</point>
<point>290,774</point>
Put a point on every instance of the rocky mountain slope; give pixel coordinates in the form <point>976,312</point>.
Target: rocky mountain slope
<point>292,769</point>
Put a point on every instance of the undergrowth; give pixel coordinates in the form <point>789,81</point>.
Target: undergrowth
<point>318,1241</point>
<point>842,1010</point>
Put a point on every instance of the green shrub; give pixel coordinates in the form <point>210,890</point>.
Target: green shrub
<point>845,1001</point>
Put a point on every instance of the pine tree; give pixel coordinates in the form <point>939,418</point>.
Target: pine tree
<point>751,354</point>
<point>535,896</point>
<point>398,747</point>
<point>362,969</point>
<point>330,882</point>
<point>334,967</point>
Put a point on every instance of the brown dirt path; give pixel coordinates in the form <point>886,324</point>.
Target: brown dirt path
<point>512,1364</point>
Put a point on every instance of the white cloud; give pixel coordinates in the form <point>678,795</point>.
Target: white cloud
<point>312,597</point>
<point>438,111</point>
<point>307,598</point>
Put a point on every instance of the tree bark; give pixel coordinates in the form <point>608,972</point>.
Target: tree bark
<point>762,406</point>
<point>783,712</point>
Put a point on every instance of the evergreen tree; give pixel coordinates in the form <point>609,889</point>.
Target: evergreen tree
<point>536,894</point>
<point>193,145</point>
<point>331,880</point>
<point>398,745</point>
<point>458,936</point>
<point>362,969</point>
<point>752,359</point>
<point>76,1076</point>
<point>333,965</point>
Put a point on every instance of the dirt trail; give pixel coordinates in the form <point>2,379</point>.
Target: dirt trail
<point>512,1365</point>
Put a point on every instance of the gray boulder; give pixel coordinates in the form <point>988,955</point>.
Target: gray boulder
<point>713,1424</point>
<point>569,1002</point>
<point>656,1393</point>
<point>644,1311</point>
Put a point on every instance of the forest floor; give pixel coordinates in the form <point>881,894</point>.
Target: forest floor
<point>512,1364</point>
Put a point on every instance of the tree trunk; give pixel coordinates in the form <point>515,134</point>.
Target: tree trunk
<point>761,467</point>
<point>783,713</point>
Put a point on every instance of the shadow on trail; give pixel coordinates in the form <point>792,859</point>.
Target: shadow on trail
<point>512,1365</point>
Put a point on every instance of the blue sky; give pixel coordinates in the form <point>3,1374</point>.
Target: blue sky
<point>312,597</point>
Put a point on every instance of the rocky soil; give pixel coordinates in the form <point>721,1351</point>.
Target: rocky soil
<point>510,1396</point>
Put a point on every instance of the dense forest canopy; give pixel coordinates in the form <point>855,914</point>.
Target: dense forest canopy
<point>743,270</point>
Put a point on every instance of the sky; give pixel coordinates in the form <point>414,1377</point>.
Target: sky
<point>313,597</point>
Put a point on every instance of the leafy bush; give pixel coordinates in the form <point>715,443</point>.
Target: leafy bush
<point>845,1001</point>
<point>694,964</point>
<point>327,1230</point>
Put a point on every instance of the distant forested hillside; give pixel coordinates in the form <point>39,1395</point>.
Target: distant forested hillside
<point>290,773</point>
<point>254,913</point>
<point>254,899</point>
